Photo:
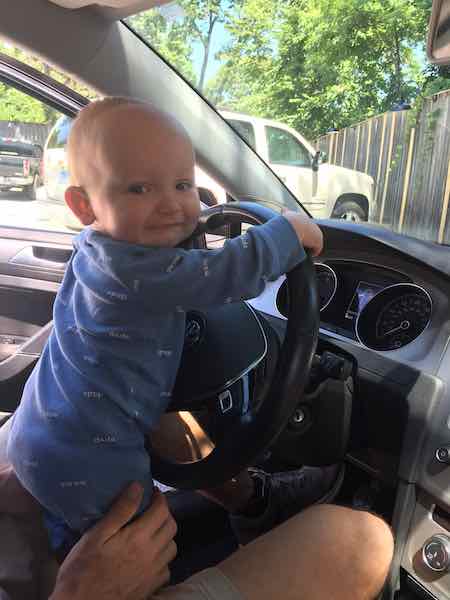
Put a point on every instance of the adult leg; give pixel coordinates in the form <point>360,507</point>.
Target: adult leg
<point>326,552</point>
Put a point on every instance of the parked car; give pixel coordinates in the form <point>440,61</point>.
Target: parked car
<point>325,190</point>
<point>20,166</point>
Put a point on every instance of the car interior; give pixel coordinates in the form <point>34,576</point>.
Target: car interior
<point>346,359</point>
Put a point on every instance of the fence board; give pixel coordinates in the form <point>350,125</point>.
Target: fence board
<point>411,169</point>
<point>29,132</point>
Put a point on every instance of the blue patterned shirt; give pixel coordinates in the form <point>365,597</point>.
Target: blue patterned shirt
<point>107,372</point>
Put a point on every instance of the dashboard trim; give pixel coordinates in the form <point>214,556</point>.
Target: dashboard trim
<point>368,264</point>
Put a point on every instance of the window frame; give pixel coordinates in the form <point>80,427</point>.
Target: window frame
<point>28,80</point>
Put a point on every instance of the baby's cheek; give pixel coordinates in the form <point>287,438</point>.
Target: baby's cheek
<point>194,208</point>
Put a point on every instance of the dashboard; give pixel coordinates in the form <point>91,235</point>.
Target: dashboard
<point>381,295</point>
<point>385,299</point>
<point>380,308</point>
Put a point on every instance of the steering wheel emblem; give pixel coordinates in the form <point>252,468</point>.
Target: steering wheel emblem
<point>195,328</point>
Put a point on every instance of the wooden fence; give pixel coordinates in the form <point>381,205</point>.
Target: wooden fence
<point>29,132</point>
<point>408,155</point>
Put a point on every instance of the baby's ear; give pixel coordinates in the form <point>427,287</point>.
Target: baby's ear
<point>78,202</point>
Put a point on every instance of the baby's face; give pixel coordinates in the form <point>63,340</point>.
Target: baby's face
<point>143,188</point>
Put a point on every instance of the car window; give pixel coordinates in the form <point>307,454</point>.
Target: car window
<point>33,165</point>
<point>33,162</point>
<point>46,69</point>
<point>285,149</point>
<point>245,129</point>
<point>374,112</point>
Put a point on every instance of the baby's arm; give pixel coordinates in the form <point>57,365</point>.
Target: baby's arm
<point>204,278</point>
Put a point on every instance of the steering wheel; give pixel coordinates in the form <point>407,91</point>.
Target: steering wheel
<point>224,345</point>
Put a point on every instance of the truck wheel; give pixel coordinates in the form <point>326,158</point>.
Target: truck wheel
<point>30,190</point>
<point>350,211</point>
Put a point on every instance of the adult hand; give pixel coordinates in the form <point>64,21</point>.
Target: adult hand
<point>124,563</point>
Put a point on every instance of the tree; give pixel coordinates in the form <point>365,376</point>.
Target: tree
<point>314,64</point>
<point>436,79</point>
<point>18,106</point>
<point>318,64</point>
<point>203,16</point>
<point>175,38</point>
<point>172,39</point>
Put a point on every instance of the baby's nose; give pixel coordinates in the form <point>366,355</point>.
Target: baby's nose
<point>169,203</point>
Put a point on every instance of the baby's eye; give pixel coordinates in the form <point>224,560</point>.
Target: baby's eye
<point>184,185</point>
<point>138,188</point>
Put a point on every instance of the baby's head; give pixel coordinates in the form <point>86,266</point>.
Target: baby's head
<point>132,173</point>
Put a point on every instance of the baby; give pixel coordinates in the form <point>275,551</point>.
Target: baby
<point>106,374</point>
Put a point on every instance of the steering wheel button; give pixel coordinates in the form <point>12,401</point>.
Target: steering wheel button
<point>225,401</point>
<point>443,454</point>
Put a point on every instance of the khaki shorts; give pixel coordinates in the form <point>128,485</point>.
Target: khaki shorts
<point>210,584</point>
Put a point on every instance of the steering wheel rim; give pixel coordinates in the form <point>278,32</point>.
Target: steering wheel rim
<point>256,431</point>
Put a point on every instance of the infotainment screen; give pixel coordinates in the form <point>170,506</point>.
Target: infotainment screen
<point>363,293</point>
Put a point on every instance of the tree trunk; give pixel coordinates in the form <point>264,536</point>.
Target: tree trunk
<point>207,46</point>
<point>398,68</point>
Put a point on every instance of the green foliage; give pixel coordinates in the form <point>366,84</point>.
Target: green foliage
<point>172,39</point>
<point>176,38</point>
<point>18,106</point>
<point>436,79</point>
<point>330,63</point>
<point>245,80</point>
<point>314,64</point>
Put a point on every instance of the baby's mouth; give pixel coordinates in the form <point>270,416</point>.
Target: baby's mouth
<point>166,225</point>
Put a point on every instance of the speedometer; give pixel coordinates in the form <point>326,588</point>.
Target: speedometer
<point>395,317</point>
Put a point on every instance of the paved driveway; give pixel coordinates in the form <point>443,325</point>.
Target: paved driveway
<point>17,211</point>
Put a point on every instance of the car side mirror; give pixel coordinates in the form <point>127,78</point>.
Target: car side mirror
<point>438,44</point>
<point>319,158</point>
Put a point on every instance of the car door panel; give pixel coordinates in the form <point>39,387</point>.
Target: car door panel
<point>42,258</point>
<point>32,259</point>
<point>32,265</point>
<point>40,255</point>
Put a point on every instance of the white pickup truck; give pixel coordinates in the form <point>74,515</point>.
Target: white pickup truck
<point>325,190</point>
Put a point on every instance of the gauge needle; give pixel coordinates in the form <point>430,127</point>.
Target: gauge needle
<point>403,326</point>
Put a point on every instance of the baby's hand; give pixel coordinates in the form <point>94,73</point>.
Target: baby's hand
<point>308,232</point>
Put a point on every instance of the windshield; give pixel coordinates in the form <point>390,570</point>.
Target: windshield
<point>335,95</point>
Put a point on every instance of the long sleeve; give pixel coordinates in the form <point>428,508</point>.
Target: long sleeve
<point>168,279</point>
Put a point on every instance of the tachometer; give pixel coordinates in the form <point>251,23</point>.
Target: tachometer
<point>326,288</point>
<point>395,317</point>
<point>326,284</point>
